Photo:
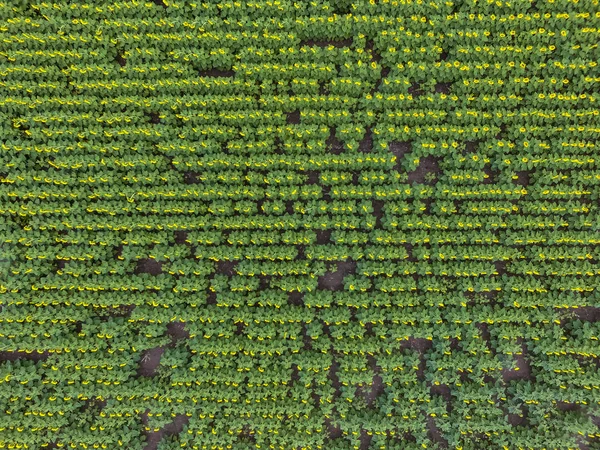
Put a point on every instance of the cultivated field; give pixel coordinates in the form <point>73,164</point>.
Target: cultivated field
<point>299,225</point>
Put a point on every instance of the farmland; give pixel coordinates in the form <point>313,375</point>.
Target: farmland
<point>299,225</point>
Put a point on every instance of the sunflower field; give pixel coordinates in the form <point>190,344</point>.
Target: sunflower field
<point>300,224</point>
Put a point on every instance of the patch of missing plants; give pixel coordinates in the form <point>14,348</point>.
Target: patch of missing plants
<point>216,73</point>
<point>181,238</point>
<point>366,144</point>
<point>177,331</point>
<point>470,147</point>
<point>587,313</point>
<point>295,298</point>
<point>226,267</point>
<point>334,145</point>
<point>190,178</point>
<point>154,118</point>
<point>313,177</point>
<point>148,265</point>
<point>522,178</point>
<point>120,59</point>
<point>33,356</point>
<point>399,149</point>
<point>443,88</point>
<point>293,118</point>
<point>153,438</point>
<point>378,212</point>
<point>502,133</point>
<point>149,362</point>
<point>427,172</point>
<point>492,175</point>
<point>415,90</point>
<point>333,279</point>
<point>323,237</point>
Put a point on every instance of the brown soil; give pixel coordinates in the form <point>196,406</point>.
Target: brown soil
<point>226,267</point>
<point>149,362</point>
<point>378,212</point>
<point>443,88</point>
<point>153,438</point>
<point>293,118</point>
<point>334,145</point>
<point>181,237</point>
<point>334,281</point>
<point>177,331</point>
<point>399,150</point>
<point>428,164</point>
<point>33,356</point>
<point>523,178</point>
<point>296,298</point>
<point>366,144</point>
<point>323,237</point>
<point>415,90</point>
<point>587,313</point>
<point>524,372</point>
<point>150,266</point>
<point>217,73</point>
<point>377,388</point>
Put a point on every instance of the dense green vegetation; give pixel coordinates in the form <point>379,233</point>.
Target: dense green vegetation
<point>299,225</point>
